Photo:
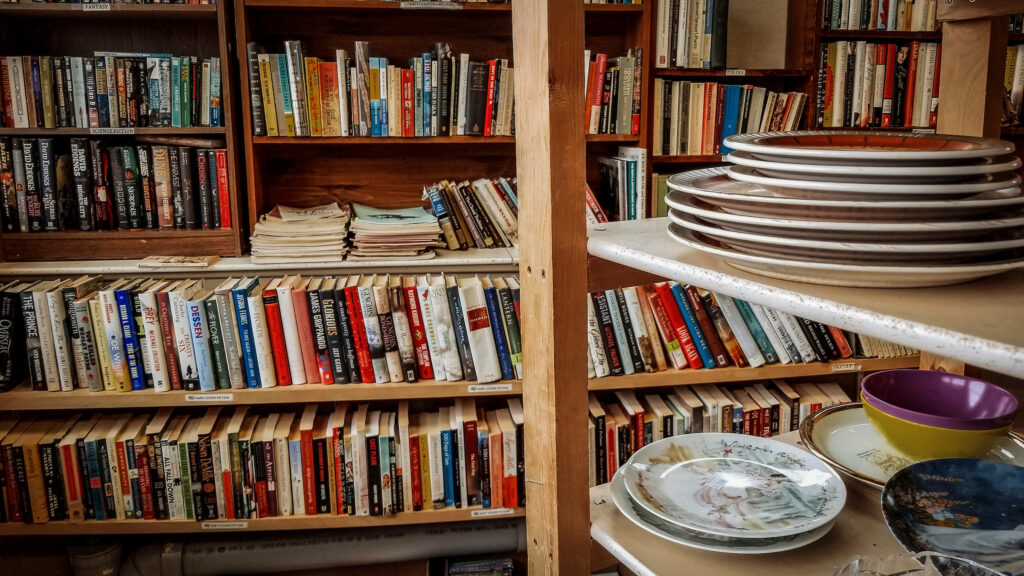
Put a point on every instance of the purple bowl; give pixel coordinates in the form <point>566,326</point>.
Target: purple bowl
<point>940,399</point>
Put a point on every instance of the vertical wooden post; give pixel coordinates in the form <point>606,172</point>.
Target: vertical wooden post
<point>971,76</point>
<point>550,154</point>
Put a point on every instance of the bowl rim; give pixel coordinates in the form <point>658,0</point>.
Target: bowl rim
<point>937,421</point>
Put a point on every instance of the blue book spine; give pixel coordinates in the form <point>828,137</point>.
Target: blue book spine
<point>730,117</point>
<point>498,328</point>
<point>757,331</point>
<point>436,202</point>
<point>200,333</point>
<point>175,92</point>
<point>102,98</point>
<point>252,371</point>
<point>619,328</point>
<point>427,108</point>
<point>691,324</point>
<point>709,28</point>
<point>631,190</point>
<point>286,95</point>
<point>483,445</point>
<point>510,192</point>
<point>449,470</point>
<point>375,102</point>
<point>131,342</point>
<point>384,98</point>
<point>99,499</point>
<point>133,476</point>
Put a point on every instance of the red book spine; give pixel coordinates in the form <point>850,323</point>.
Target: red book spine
<point>714,342</point>
<point>890,72</point>
<point>269,466</point>
<point>595,207</point>
<point>222,188</point>
<point>675,317</point>
<point>122,469</point>
<point>408,108</point>
<point>355,317</point>
<point>338,445</point>
<point>600,68</point>
<point>145,482</point>
<point>509,494</point>
<point>748,417</point>
<point>471,449</point>
<point>611,448</point>
<point>755,422</point>
<point>229,501</point>
<point>638,429</point>
<point>668,334</point>
<point>308,480</point>
<point>933,107</point>
<point>419,334</point>
<point>417,486</point>
<point>8,106</point>
<point>276,330</point>
<point>72,491</point>
<point>492,66</point>
<point>497,469</point>
<point>908,108</point>
<point>591,67</point>
<point>13,493</point>
<point>719,114</point>
<point>845,351</point>
<point>163,312</point>
<point>766,422</point>
<point>306,344</point>
<point>262,508</point>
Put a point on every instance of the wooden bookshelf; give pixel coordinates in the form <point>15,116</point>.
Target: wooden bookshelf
<point>684,159</point>
<point>369,140</point>
<point>203,30</point>
<point>383,5</point>
<point>732,72</point>
<point>886,35</point>
<point>618,9</point>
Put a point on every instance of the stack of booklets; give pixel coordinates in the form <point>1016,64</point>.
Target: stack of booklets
<point>231,464</point>
<point>301,235</point>
<point>394,234</point>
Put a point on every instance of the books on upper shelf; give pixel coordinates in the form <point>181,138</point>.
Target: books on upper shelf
<point>691,34</point>
<point>667,325</point>
<point>62,184</point>
<point>895,15</point>
<point>436,93</point>
<point>620,425</point>
<point>865,84</point>
<point>1016,23</point>
<point>483,213</point>
<point>614,92</point>
<point>137,334</point>
<point>301,235</point>
<point>1013,83</point>
<point>693,118</point>
<point>394,233</point>
<point>117,2</point>
<point>240,463</point>
<point>622,189</point>
<point>111,90</point>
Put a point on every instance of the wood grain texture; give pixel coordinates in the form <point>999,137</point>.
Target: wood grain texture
<point>931,361</point>
<point>971,77</point>
<point>967,10</point>
<point>119,244</point>
<point>548,42</point>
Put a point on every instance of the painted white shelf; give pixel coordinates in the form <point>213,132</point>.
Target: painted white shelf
<point>473,260</point>
<point>980,322</point>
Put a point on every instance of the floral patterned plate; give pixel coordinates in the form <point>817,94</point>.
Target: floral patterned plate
<point>843,437</point>
<point>734,485</point>
<point>960,506</point>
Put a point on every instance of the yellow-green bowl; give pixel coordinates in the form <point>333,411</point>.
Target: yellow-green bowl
<point>930,442</point>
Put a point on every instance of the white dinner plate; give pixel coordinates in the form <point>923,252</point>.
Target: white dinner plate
<point>664,530</point>
<point>716,187</point>
<point>838,146</point>
<point>896,275</point>
<point>875,172</point>
<point>881,192</point>
<point>733,485</point>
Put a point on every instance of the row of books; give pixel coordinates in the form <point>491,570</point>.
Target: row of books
<point>52,184</point>
<point>905,15</point>
<point>614,92</point>
<point>437,94</point>
<point>691,33</point>
<point>110,90</point>
<point>694,118</point>
<point>1016,23</point>
<point>123,1</point>
<point>171,335</point>
<point>339,459</point>
<point>654,327</point>
<point>483,213</point>
<point>1013,83</point>
<point>622,189</point>
<point>864,84</point>
<point>626,423</point>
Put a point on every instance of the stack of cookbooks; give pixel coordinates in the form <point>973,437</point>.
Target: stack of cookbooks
<point>301,235</point>
<point>393,234</point>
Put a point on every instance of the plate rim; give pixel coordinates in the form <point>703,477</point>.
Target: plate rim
<point>1000,163</point>
<point>742,173</point>
<point>753,142</point>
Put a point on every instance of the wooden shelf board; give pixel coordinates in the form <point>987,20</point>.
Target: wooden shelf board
<point>914,129</point>
<point>720,375</point>
<point>684,159</point>
<point>148,11</point>
<point>114,235</point>
<point>379,5</point>
<point>323,521</point>
<point>613,8</point>
<point>977,322</point>
<point>733,72</point>
<point>880,35</point>
<point>24,398</point>
<point>613,138</point>
<point>190,131</point>
<point>363,140</point>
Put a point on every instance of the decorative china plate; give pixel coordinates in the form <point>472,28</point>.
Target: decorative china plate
<point>843,437</point>
<point>873,171</point>
<point>734,485</point>
<point>654,525</point>
<point>898,275</point>
<point>960,506</point>
<point>838,146</point>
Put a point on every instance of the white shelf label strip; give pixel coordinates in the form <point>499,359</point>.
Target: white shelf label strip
<point>209,397</point>
<point>225,525</point>
<point>110,131</point>
<point>486,388</point>
<point>492,512</point>
<point>846,367</point>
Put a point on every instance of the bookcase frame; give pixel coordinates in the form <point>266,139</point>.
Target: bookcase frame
<point>58,29</point>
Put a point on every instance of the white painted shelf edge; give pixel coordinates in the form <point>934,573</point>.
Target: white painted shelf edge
<point>979,322</point>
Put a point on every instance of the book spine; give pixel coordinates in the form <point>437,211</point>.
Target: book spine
<point>757,331</point>
<point>672,310</point>
<point>347,336</point>
<point>275,330</point>
<point>332,338</point>
<point>218,355</point>
<point>252,374</point>
<point>132,350</point>
<point>34,350</point>
<point>693,326</point>
<point>359,335</point>
<point>321,351</point>
<point>602,311</point>
<point>500,341</point>
<point>461,333</point>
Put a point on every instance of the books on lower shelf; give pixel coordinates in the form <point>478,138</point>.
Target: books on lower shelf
<point>627,421</point>
<point>225,464</point>
<point>614,92</point>
<point>667,325</point>
<point>138,334</point>
<point>906,15</point>
<point>301,235</point>
<point>437,93</point>
<point>1013,83</point>
<point>111,90</point>
<point>63,184</point>
<point>693,118</point>
<point>863,84</point>
<point>691,34</point>
<point>622,188</point>
<point>483,213</point>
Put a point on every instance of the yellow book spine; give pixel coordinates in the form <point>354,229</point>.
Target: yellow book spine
<point>102,351</point>
<point>428,501</point>
<point>269,102</point>
<point>313,96</point>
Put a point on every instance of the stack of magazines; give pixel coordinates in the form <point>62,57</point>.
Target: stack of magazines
<point>393,234</point>
<point>301,235</point>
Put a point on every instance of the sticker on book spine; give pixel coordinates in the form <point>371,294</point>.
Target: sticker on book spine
<point>487,512</point>
<point>209,397</point>
<point>432,5</point>
<point>487,388</point>
<point>110,131</point>
<point>846,367</point>
<point>101,7</point>
<point>225,525</point>
<point>735,72</point>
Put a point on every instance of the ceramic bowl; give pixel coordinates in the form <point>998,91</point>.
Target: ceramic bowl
<point>939,399</point>
<point>925,442</point>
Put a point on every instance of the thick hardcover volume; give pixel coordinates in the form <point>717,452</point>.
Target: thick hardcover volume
<point>419,333</point>
<point>332,338</point>
<point>478,329</point>
<point>321,352</point>
<point>33,344</point>
<point>359,336</point>
<point>476,98</point>
<point>403,331</point>
<point>714,342</point>
<point>12,341</point>
<point>446,332</point>
<point>621,309</point>
<point>80,172</point>
<point>498,328</point>
<point>240,294</point>
<point>693,326</point>
<point>461,330</point>
<point>679,325</point>
<point>374,341</point>
<point>346,335</point>
<point>602,312</point>
<point>276,333</point>
<point>757,331</point>
<point>188,199</point>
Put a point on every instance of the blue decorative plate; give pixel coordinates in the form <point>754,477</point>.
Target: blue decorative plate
<point>960,506</point>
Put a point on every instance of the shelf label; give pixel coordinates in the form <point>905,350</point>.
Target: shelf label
<point>485,388</point>
<point>432,5</point>
<point>488,512</point>
<point>225,525</point>
<point>923,131</point>
<point>736,72</point>
<point>846,367</point>
<point>110,131</point>
<point>103,7</point>
<point>209,397</point>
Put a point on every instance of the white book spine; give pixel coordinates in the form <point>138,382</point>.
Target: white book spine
<point>182,335</point>
<point>594,339</point>
<point>591,373</point>
<point>359,481</point>
<point>291,335</point>
<point>173,472</point>
<point>61,340</point>
<point>343,90</point>
<point>261,341</point>
<point>392,356</point>
<point>373,335</point>
<point>282,469</point>
<point>498,211</point>
<point>839,84</point>
<point>508,445</point>
<point>200,334</point>
<point>924,107</point>
<point>620,332</point>
<point>858,80</point>
<point>405,458</point>
<point>232,344</point>
<point>740,330</point>
<point>780,331</point>
<point>868,85</point>
<point>112,104</point>
<point>19,100</point>
<point>46,341</point>
<point>115,477</point>
<point>478,326</point>
<point>295,466</point>
<point>152,344</point>
<point>792,327</point>
<point>114,339</point>
<point>636,318</point>
<point>445,329</point>
<point>463,89</point>
<point>664,29</point>
<point>430,328</point>
<point>769,331</point>
<point>78,87</point>
<point>683,34</point>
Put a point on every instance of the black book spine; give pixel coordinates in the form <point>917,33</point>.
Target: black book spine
<point>203,189</point>
<point>461,334</point>
<point>80,172</point>
<point>899,92</point>
<point>812,336</point>
<point>53,482</point>
<point>118,186</point>
<point>140,335</point>
<point>103,454</point>
<point>58,93</point>
<point>21,483</point>
<point>496,95</point>
<point>334,352</point>
<point>851,71</point>
<point>673,36</point>
<point>100,161</point>
<point>156,475</point>
<point>195,476</point>
<point>396,480</point>
<point>33,347</point>
<point>131,96</point>
<point>212,168</point>
<point>33,194</point>
<point>69,94</point>
<point>345,335</point>
<point>259,127</point>
<point>83,479</point>
<point>8,189</point>
<point>604,321</point>
<point>323,498</point>
<point>666,108</point>
<point>12,341</point>
<point>627,325</point>
<point>604,119</point>
<point>484,449</point>
<point>196,71</point>
<point>521,465</point>
<point>476,98</point>
<point>819,98</point>
<point>719,23</point>
<point>457,470</point>
<point>141,93</point>
<point>188,198</point>
<point>91,104</point>
<point>613,102</point>
<point>826,338</point>
<point>177,194</point>
<point>373,474</point>
<point>132,187</point>
<point>207,476</point>
<point>601,450</point>
<point>323,355</point>
<point>146,188</point>
<point>444,65</point>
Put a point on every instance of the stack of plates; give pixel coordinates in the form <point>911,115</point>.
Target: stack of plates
<point>857,209</point>
<point>729,493</point>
